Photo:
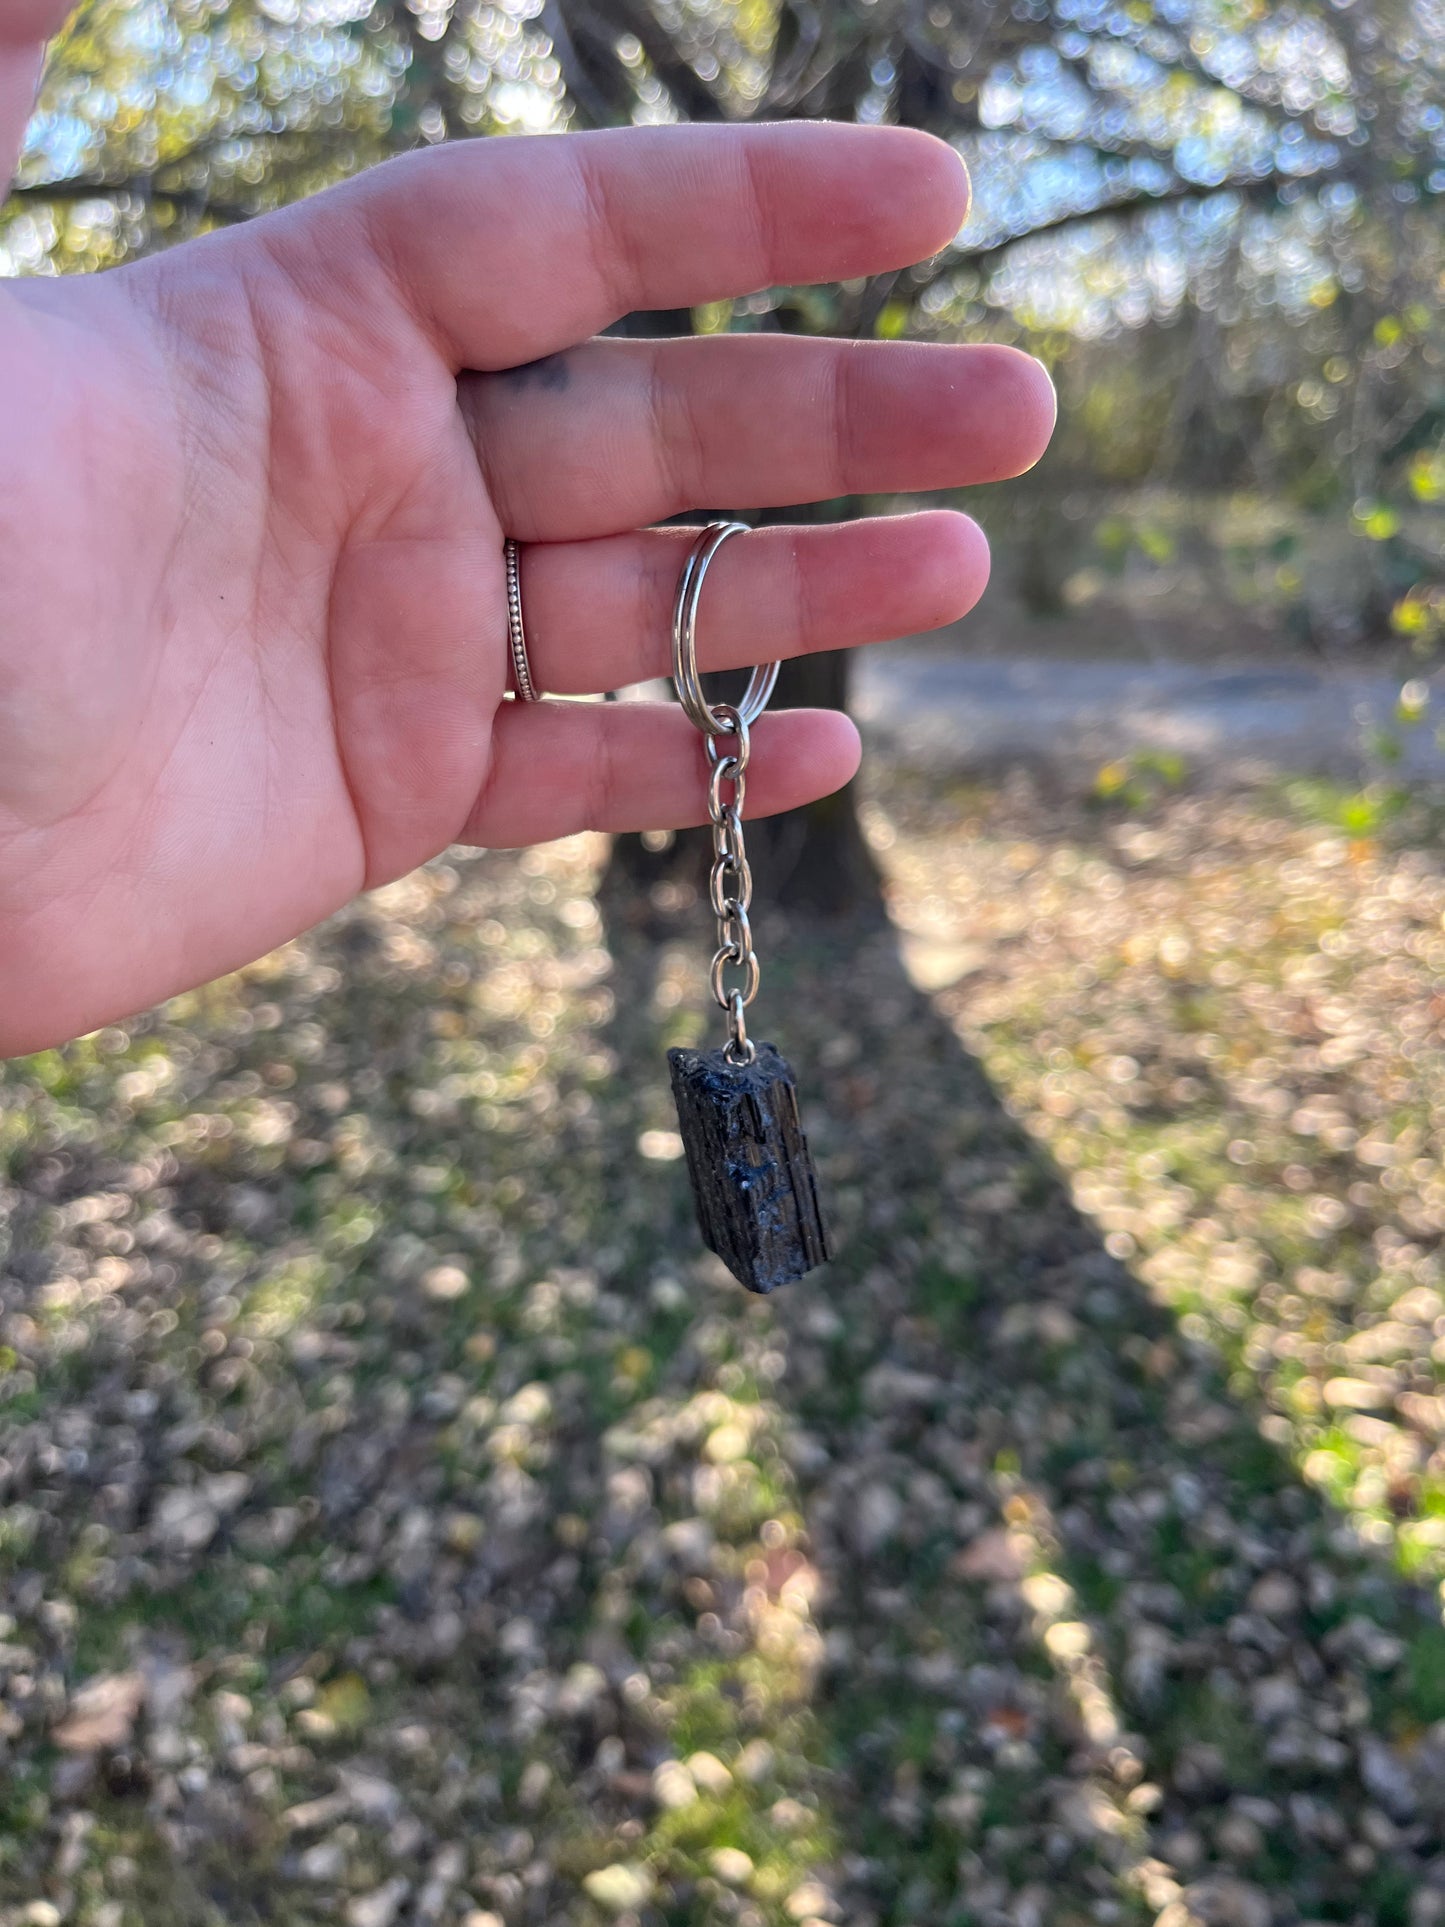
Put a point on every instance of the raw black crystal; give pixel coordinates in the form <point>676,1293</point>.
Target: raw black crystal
<point>752,1177</point>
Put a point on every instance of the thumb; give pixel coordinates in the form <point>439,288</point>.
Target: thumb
<point>25,25</point>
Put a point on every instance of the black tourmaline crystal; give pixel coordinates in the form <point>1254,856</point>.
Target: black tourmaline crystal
<point>752,1178</point>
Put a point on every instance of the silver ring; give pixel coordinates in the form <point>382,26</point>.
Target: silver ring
<point>684,641</point>
<point>516,634</point>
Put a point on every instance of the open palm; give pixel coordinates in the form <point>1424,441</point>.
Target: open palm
<point>253,494</point>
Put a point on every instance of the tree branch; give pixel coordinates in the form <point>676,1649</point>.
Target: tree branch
<point>672,67</point>
<point>48,193</point>
<point>1264,189</point>
<point>305,149</point>
<point>579,83</point>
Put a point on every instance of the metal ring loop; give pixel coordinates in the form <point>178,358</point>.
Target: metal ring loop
<point>726,955</point>
<point>739,929</point>
<point>738,726</point>
<point>719,890</point>
<point>723,772</point>
<point>731,852</point>
<point>684,641</point>
<point>740,1048</point>
<point>516,633</point>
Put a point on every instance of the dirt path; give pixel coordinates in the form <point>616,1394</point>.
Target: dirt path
<point>1230,721</point>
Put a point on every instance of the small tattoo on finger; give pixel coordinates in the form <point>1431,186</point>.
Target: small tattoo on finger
<point>551,372</point>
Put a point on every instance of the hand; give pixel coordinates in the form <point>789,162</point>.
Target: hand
<point>253,494</point>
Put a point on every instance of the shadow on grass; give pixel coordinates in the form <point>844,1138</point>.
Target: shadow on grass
<point>366,1398</point>
<point>1093,1648</point>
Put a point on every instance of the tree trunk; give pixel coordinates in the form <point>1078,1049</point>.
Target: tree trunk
<point>815,860</point>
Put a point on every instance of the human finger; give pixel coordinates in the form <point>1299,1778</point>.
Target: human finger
<point>561,767</point>
<point>616,434</point>
<point>504,251</point>
<point>598,614</point>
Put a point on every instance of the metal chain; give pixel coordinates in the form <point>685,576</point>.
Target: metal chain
<point>730,885</point>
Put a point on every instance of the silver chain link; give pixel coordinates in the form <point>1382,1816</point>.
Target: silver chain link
<point>730,885</point>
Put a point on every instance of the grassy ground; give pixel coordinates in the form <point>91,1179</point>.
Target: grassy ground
<point>403,1523</point>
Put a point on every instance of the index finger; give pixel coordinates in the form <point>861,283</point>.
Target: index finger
<point>507,249</point>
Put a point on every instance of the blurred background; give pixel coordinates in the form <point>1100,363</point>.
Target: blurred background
<point>401,1520</point>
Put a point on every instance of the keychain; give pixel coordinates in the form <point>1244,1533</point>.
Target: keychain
<point>752,1176</point>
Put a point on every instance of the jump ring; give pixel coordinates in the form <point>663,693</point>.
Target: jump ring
<point>737,727</point>
<point>516,633</point>
<point>740,1048</point>
<point>684,641</point>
